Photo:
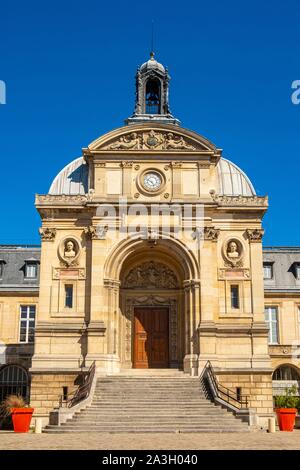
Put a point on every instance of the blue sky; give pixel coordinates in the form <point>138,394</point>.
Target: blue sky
<point>69,70</point>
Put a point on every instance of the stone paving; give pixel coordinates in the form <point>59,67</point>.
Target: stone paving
<point>96,441</point>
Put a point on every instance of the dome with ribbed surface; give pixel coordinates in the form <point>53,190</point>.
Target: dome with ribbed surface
<point>152,64</point>
<point>232,180</point>
<point>72,179</point>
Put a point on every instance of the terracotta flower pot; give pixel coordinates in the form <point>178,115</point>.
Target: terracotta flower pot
<point>21,418</point>
<point>286,418</point>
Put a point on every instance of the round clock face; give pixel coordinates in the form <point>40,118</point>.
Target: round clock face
<point>152,181</point>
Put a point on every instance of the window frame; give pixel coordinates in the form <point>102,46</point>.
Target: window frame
<point>269,321</point>
<point>71,287</point>
<point>236,288</point>
<point>28,320</point>
<point>271,266</point>
<point>31,264</point>
<point>2,263</point>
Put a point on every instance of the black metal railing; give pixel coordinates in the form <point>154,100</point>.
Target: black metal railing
<point>83,391</point>
<point>214,389</point>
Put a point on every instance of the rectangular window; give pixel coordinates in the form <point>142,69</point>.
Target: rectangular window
<point>31,270</point>
<point>68,296</point>
<point>27,323</point>
<point>298,270</point>
<point>271,317</point>
<point>1,268</point>
<point>268,271</point>
<point>235,298</point>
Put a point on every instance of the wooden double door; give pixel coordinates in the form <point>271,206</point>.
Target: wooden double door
<point>151,337</point>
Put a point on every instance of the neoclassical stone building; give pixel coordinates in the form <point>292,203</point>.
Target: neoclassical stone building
<point>151,257</point>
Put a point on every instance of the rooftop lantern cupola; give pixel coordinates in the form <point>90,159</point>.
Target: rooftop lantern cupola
<point>152,94</point>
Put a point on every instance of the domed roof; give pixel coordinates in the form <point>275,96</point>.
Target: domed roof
<point>152,64</point>
<point>232,180</point>
<point>72,179</point>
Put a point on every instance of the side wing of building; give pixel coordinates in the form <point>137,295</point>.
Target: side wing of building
<point>282,313</point>
<point>19,295</point>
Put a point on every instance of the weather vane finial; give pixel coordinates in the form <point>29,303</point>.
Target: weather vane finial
<point>152,40</point>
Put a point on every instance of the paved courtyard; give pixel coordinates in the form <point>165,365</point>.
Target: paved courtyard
<point>89,441</point>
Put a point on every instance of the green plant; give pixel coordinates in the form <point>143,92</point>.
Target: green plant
<point>289,400</point>
<point>12,401</point>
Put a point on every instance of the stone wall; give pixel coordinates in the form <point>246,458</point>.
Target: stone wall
<point>258,387</point>
<point>46,390</point>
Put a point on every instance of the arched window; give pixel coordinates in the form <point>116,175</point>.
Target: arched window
<point>13,381</point>
<point>286,373</point>
<point>153,97</point>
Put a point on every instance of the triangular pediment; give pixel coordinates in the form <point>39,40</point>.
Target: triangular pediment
<point>145,138</point>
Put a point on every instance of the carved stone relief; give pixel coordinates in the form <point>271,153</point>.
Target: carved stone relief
<point>255,235</point>
<point>69,250</point>
<point>206,233</point>
<point>47,234</point>
<point>96,233</point>
<point>151,275</point>
<point>152,140</point>
<point>239,200</point>
<point>233,252</point>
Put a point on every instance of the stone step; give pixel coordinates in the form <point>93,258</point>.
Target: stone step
<point>136,413</point>
<point>150,404</point>
<point>145,430</point>
<point>155,420</point>
<point>172,401</point>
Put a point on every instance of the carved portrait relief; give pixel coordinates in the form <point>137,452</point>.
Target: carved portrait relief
<point>233,252</point>
<point>69,251</point>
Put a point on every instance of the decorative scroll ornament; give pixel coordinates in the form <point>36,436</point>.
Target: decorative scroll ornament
<point>69,250</point>
<point>255,235</point>
<point>233,252</point>
<point>206,233</point>
<point>96,233</point>
<point>240,200</point>
<point>47,234</point>
<point>60,199</point>
<point>151,275</point>
<point>152,140</point>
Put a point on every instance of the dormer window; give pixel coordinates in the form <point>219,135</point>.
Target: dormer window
<point>2,263</point>
<point>268,270</point>
<point>31,269</point>
<point>153,96</point>
<point>295,269</point>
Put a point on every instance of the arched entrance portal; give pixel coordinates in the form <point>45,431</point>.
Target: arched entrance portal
<point>158,304</point>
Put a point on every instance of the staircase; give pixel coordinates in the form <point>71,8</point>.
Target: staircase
<point>143,402</point>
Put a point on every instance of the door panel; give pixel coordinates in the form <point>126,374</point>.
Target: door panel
<point>151,337</point>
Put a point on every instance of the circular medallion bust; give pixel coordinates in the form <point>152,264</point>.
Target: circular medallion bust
<point>233,252</point>
<point>69,250</point>
<point>152,181</point>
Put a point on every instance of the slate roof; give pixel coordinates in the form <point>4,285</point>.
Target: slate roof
<point>13,259</point>
<point>283,260</point>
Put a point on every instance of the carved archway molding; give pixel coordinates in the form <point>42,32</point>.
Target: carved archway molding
<point>152,300</point>
<point>129,246</point>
